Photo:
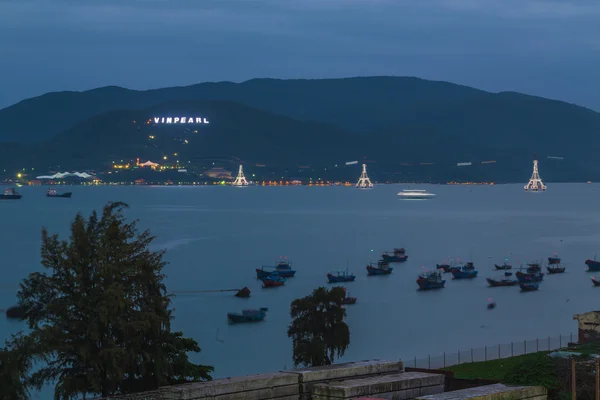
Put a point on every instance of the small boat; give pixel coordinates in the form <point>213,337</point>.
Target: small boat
<point>555,269</point>
<point>464,273</point>
<point>529,287</point>
<point>502,282</point>
<point>593,265</point>
<point>398,255</point>
<point>504,266</point>
<point>348,299</point>
<point>10,194</point>
<point>430,280</point>
<point>54,193</point>
<point>447,268</point>
<point>244,293</point>
<point>529,277</point>
<point>341,276</point>
<point>554,260</point>
<point>248,316</point>
<point>416,194</point>
<point>382,268</point>
<point>283,268</point>
<point>273,280</point>
<point>595,281</point>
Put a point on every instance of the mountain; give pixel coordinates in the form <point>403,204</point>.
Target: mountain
<point>406,127</point>
<point>235,134</point>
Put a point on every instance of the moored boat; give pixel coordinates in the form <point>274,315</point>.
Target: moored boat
<point>529,287</point>
<point>529,277</point>
<point>341,276</point>
<point>555,269</point>
<point>10,194</point>
<point>595,281</point>
<point>273,280</point>
<point>283,268</point>
<point>464,273</point>
<point>54,193</point>
<point>501,282</point>
<point>398,255</point>
<point>417,194</point>
<point>248,315</point>
<point>504,266</point>
<point>382,268</point>
<point>348,299</point>
<point>593,265</point>
<point>554,260</point>
<point>444,267</point>
<point>430,280</point>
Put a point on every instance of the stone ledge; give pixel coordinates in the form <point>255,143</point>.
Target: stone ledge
<point>492,392</point>
<point>347,370</point>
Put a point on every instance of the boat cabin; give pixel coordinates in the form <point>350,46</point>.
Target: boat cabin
<point>589,326</point>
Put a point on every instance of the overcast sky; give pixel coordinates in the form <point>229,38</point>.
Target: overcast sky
<point>549,48</point>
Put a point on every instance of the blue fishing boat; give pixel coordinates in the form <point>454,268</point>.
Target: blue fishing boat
<point>430,280</point>
<point>529,287</point>
<point>248,316</point>
<point>464,273</point>
<point>341,276</point>
<point>398,255</point>
<point>529,277</point>
<point>504,266</point>
<point>284,268</point>
<point>460,267</point>
<point>382,268</point>
<point>273,280</point>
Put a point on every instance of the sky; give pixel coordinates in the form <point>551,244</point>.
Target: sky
<point>549,48</point>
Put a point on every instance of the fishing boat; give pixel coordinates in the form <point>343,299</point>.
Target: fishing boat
<point>464,273</point>
<point>502,282</point>
<point>529,287</point>
<point>555,269</point>
<point>554,260</point>
<point>416,194</point>
<point>446,267</point>
<point>10,194</point>
<point>460,267</point>
<point>283,268</point>
<point>341,276</point>
<point>595,281</point>
<point>248,316</point>
<point>533,268</point>
<point>348,299</point>
<point>430,280</point>
<point>273,280</point>
<point>529,277</point>
<point>382,268</point>
<point>398,255</point>
<point>593,265</point>
<point>54,193</point>
<point>504,266</point>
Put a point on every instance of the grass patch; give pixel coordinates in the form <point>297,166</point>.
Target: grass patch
<point>493,369</point>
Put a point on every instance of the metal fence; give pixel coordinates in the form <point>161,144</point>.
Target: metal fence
<point>488,353</point>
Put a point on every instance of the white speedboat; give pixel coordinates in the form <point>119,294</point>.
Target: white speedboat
<point>416,194</point>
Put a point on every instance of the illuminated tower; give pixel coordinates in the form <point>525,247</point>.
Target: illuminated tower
<point>240,179</point>
<point>364,182</point>
<point>535,183</point>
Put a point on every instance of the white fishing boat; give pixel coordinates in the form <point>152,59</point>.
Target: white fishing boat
<point>416,194</point>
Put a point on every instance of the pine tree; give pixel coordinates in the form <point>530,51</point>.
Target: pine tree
<point>100,313</point>
<point>318,330</point>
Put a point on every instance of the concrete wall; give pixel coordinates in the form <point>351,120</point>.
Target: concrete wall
<point>296,384</point>
<point>589,326</point>
<point>493,392</point>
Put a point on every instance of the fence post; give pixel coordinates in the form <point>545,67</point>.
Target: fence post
<point>560,341</point>
<point>537,344</point>
<point>511,349</point>
<point>429,360</point>
<point>486,353</point>
<point>459,357</point>
<point>548,343</point>
<point>525,341</point>
<point>444,359</point>
<point>498,351</point>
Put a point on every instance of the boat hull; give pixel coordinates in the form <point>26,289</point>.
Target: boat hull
<point>502,267</point>
<point>262,273</point>
<point>500,283</point>
<point>425,284</point>
<point>556,270</point>
<point>379,271</point>
<point>61,195</point>
<point>349,300</point>
<point>238,318</point>
<point>464,274</point>
<point>595,281</point>
<point>269,283</point>
<point>529,278</point>
<point>337,279</point>
<point>593,265</point>
<point>390,258</point>
<point>10,196</point>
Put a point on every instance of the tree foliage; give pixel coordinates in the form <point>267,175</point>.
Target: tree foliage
<point>16,360</point>
<point>100,314</point>
<point>318,330</point>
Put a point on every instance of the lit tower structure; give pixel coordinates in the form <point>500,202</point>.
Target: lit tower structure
<point>364,182</point>
<point>240,179</point>
<point>535,182</point>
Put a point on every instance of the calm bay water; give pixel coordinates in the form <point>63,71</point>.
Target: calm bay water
<point>216,236</point>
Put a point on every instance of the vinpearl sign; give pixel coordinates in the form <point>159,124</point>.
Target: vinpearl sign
<point>180,120</point>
